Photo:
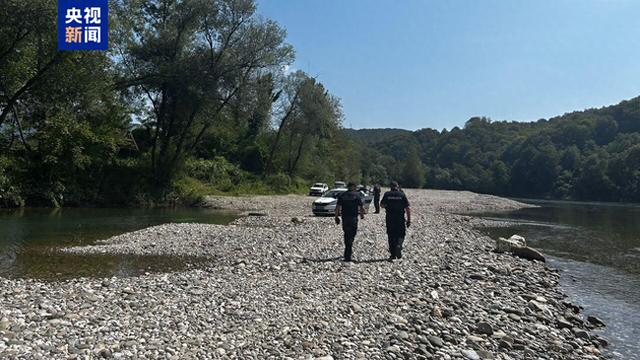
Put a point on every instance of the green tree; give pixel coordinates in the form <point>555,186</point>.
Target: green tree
<point>188,60</point>
<point>60,120</point>
<point>413,175</point>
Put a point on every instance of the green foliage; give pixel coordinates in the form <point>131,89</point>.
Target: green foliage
<point>10,194</point>
<point>193,99</point>
<point>186,79</point>
<point>192,64</point>
<point>219,176</point>
<point>188,191</point>
<point>413,171</point>
<point>588,155</point>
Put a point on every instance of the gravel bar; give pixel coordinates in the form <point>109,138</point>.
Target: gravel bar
<point>274,288</point>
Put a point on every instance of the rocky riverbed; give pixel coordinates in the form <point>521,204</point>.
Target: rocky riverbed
<point>273,286</point>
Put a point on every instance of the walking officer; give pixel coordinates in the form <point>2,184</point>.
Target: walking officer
<point>376,197</point>
<point>350,205</point>
<point>396,205</point>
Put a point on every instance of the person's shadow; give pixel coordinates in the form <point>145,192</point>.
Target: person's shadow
<point>339,258</point>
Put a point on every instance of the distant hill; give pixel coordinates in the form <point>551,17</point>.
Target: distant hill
<point>592,154</point>
<point>371,136</point>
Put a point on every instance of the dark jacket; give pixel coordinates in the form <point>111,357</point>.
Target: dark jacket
<point>395,202</point>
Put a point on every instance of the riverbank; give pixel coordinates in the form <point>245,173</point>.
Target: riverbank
<point>276,288</point>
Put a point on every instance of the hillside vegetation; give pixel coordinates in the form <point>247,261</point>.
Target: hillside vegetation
<point>195,97</point>
<point>584,155</point>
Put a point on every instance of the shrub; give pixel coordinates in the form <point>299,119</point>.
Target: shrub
<point>10,195</point>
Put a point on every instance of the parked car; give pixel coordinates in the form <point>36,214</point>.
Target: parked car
<point>340,185</point>
<point>318,189</point>
<point>326,205</point>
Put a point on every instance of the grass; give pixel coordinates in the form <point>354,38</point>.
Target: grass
<point>191,191</point>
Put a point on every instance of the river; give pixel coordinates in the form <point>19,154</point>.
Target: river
<point>597,248</point>
<point>30,240</point>
<point>596,245</point>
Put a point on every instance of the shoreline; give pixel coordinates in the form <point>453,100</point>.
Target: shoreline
<point>276,288</point>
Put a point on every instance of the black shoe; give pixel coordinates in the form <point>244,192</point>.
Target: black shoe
<point>346,259</point>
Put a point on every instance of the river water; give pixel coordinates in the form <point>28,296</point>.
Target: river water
<point>30,240</point>
<point>597,248</point>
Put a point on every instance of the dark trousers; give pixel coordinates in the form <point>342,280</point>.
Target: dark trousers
<point>395,245</point>
<point>376,203</point>
<point>350,228</point>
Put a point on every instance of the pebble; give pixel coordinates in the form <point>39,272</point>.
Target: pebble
<point>484,328</point>
<point>435,341</point>
<point>273,286</point>
<point>470,354</point>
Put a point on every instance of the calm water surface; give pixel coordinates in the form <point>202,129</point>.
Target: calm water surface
<point>30,240</point>
<point>597,247</point>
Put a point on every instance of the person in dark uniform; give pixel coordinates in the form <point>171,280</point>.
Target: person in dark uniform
<point>376,197</point>
<point>350,205</point>
<point>396,204</point>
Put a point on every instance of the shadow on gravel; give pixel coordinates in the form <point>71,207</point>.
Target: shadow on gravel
<point>339,258</point>
<point>322,260</point>
<point>371,261</point>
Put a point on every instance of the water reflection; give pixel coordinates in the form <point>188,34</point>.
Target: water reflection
<point>609,294</point>
<point>605,234</point>
<point>30,240</point>
<point>605,279</point>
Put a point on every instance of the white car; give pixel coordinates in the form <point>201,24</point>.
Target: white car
<point>326,205</point>
<point>318,189</point>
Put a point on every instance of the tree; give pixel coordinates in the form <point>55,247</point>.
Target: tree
<point>60,119</point>
<point>593,183</point>
<point>413,171</point>
<point>188,59</point>
<point>317,117</point>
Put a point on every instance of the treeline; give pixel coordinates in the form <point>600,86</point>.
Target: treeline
<point>193,97</point>
<point>585,155</point>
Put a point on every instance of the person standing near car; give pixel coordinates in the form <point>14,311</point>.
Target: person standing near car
<point>350,205</point>
<point>396,204</point>
<point>376,197</point>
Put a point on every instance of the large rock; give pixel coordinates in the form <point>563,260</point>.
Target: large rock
<point>519,239</point>
<point>581,333</point>
<point>507,245</point>
<point>517,245</point>
<point>595,321</point>
<point>528,253</point>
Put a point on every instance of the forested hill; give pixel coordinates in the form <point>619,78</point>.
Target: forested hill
<point>584,155</point>
<point>170,114</point>
<point>372,136</point>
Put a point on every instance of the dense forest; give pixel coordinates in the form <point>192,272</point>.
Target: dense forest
<point>196,97</point>
<point>584,155</point>
<point>193,97</point>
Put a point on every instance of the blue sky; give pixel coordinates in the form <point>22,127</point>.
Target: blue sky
<point>415,63</point>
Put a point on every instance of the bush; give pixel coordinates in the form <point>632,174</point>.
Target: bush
<point>217,172</point>
<point>188,191</point>
<point>10,195</point>
<point>219,176</point>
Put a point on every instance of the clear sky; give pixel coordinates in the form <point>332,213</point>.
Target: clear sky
<point>417,63</point>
